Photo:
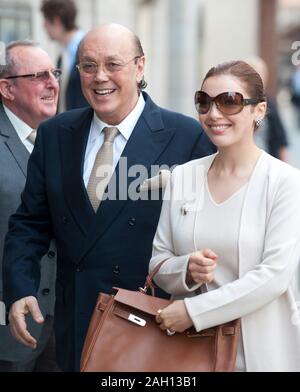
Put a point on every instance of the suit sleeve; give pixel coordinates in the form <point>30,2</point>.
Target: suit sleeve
<point>29,233</point>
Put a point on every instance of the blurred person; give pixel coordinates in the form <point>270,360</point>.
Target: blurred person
<point>271,136</point>
<point>239,233</point>
<point>28,91</point>
<point>295,92</point>
<point>60,23</point>
<point>102,242</point>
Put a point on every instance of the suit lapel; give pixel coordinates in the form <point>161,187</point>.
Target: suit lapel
<point>13,142</point>
<point>147,141</point>
<point>73,142</point>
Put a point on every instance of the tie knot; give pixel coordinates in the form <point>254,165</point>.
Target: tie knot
<point>110,133</point>
<point>32,136</point>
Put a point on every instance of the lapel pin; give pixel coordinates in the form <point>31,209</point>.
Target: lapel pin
<point>184,209</point>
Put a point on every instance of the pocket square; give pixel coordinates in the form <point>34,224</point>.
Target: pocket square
<point>156,182</point>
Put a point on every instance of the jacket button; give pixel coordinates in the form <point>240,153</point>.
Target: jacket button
<point>51,254</point>
<point>132,221</point>
<point>116,270</point>
<point>64,219</point>
<point>45,291</point>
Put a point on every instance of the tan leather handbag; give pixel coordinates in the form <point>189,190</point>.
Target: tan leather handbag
<point>124,337</point>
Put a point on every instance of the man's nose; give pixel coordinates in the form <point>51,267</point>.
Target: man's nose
<point>52,80</point>
<point>101,73</point>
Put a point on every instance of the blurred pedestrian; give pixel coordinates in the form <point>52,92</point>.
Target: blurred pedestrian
<point>60,23</point>
<point>271,135</point>
<point>295,92</point>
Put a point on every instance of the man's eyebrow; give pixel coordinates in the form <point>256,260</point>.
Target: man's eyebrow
<point>88,58</point>
<point>108,58</point>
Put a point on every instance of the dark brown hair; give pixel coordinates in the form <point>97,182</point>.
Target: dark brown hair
<point>64,9</point>
<point>247,75</point>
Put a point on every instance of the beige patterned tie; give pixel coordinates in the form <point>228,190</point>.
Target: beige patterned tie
<point>102,169</point>
<point>32,136</point>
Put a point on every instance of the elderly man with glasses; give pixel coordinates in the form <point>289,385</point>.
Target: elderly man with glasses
<point>28,91</point>
<point>104,240</point>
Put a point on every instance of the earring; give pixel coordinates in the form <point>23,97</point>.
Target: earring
<point>258,122</point>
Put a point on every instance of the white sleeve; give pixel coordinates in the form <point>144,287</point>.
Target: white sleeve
<point>172,274</point>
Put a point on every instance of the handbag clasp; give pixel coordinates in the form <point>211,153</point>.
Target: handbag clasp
<point>137,320</point>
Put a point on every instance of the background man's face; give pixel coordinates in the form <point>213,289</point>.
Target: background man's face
<point>33,100</point>
<point>54,28</point>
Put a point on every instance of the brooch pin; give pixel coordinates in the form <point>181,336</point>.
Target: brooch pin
<point>184,209</point>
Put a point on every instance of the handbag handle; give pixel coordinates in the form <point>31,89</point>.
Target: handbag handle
<point>149,280</point>
<point>150,285</point>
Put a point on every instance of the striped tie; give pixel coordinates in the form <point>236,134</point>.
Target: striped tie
<point>102,169</point>
<point>32,136</point>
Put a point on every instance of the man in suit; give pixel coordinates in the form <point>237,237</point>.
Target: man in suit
<point>28,91</point>
<point>60,23</point>
<point>99,246</point>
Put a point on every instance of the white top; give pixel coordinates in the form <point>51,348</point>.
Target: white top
<point>268,256</point>
<point>23,130</point>
<point>217,228</point>
<point>96,138</point>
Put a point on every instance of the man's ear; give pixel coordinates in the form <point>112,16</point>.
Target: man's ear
<point>6,89</point>
<point>140,69</point>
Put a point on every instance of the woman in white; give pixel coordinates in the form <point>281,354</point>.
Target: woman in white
<point>231,221</point>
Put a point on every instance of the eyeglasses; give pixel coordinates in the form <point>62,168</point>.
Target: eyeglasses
<point>227,103</point>
<point>42,76</point>
<point>87,68</point>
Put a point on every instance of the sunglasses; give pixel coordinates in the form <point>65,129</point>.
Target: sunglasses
<point>42,76</point>
<point>227,103</point>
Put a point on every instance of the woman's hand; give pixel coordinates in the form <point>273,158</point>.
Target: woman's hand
<point>201,267</point>
<point>174,317</point>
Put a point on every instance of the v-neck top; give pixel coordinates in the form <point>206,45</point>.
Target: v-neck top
<point>217,228</point>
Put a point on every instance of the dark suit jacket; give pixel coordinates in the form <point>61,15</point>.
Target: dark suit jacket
<point>74,96</point>
<point>95,252</point>
<point>13,162</point>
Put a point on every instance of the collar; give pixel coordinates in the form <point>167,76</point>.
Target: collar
<point>23,130</point>
<point>125,127</point>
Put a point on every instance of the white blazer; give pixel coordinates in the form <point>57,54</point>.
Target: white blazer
<point>269,251</point>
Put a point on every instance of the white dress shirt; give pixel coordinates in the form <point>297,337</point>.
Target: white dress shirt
<point>96,138</point>
<point>23,130</point>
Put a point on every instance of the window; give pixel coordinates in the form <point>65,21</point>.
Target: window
<point>15,21</point>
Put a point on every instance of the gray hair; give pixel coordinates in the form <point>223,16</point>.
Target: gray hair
<point>10,64</point>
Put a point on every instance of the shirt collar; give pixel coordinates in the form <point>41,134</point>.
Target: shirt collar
<point>126,126</point>
<point>23,130</point>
